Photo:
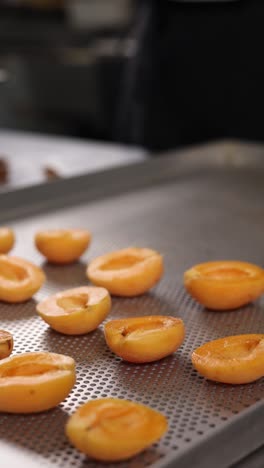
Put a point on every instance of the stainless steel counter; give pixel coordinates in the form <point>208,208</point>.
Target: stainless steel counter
<point>29,155</point>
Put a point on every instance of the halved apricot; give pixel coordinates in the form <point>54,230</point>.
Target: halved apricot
<point>110,429</point>
<point>35,382</point>
<point>127,272</point>
<point>233,360</point>
<point>62,246</point>
<point>19,279</point>
<point>6,344</point>
<point>144,339</point>
<point>7,239</point>
<point>224,285</point>
<point>76,311</point>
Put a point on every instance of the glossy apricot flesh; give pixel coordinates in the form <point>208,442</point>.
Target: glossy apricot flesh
<point>127,272</point>
<point>62,246</point>
<point>233,360</point>
<point>144,339</point>
<point>76,311</point>
<point>224,285</point>
<point>7,240</point>
<point>6,344</point>
<point>35,382</point>
<point>19,279</point>
<point>110,429</point>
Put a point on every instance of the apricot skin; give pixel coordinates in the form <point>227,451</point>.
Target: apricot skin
<point>35,382</point>
<point>62,246</point>
<point>144,339</point>
<point>224,285</point>
<point>7,240</point>
<point>127,272</point>
<point>111,430</point>
<point>6,344</point>
<point>19,279</point>
<point>232,360</point>
<point>76,311</point>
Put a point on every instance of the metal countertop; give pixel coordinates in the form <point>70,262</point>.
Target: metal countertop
<point>29,154</point>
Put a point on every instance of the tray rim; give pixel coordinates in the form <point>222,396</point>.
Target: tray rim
<point>24,201</point>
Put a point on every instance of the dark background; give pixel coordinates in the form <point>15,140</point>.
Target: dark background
<point>175,74</point>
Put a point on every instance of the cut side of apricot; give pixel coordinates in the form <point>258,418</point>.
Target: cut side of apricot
<point>76,311</point>
<point>110,429</point>
<point>144,339</point>
<point>19,279</point>
<point>232,360</point>
<point>224,285</point>
<point>7,240</point>
<point>35,382</point>
<point>62,246</point>
<point>6,344</point>
<point>127,272</point>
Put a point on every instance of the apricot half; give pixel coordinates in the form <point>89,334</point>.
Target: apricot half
<point>144,339</point>
<point>7,239</point>
<point>232,360</point>
<point>76,311</point>
<point>62,246</point>
<point>224,285</point>
<point>19,279</point>
<point>6,344</point>
<point>34,382</point>
<point>110,429</point>
<point>127,272</point>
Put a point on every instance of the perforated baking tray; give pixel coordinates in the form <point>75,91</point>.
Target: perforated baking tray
<point>193,206</point>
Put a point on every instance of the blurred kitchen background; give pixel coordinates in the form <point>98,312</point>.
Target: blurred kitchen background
<point>149,73</point>
<point>61,63</point>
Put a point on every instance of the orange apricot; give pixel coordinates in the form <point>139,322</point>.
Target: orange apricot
<point>233,360</point>
<point>76,311</point>
<point>35,382</point>
<point>19,279</point>
<point>224,285</point>
<point>144,339</point>
<point>110,429</point>
<point>62,246</point>
<point>127,272</point>
<point>7,239</point>
<point>6,344</point>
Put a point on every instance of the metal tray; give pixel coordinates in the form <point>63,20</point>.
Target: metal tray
<point>193,206</point>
